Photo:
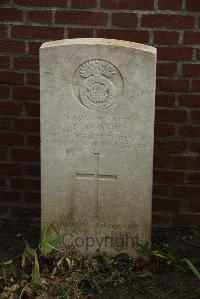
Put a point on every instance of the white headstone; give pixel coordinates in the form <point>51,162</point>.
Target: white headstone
<point>97,134</point>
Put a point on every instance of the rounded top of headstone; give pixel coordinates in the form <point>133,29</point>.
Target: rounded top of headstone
<point>99,41</point>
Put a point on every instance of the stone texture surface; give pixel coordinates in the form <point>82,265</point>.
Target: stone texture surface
<point>97,133</point>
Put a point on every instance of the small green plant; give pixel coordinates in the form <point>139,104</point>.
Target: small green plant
<point>32,259</point>
<point>30,264</point>
<point>70,263</point>
<point>36,278</point>
<point>7,270</point>
<point>146,256</point>
<point>169,256</point>
<point>48,244</point>
<point>27,255</point>
<point>191,267</point>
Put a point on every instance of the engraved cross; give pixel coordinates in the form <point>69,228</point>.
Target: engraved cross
<point>97,177</point>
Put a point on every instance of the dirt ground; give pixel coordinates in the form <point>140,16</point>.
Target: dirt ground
<point>169,283</point>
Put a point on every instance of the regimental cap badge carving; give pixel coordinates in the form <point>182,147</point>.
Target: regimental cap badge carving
<point>97,83</point>
<point>97,67</point>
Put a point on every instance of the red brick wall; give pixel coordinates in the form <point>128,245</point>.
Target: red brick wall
<point>173,26</point>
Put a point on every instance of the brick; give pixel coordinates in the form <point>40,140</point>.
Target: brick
<point>5,123</point>
<point>130,35</point>
<point>4,212</point>
<point>3,183</point>
<point>170,4</point>
<point>83,3</point>
<point>186,219</point>
<point>33,79</point>
<point>4,62</point>
<point>8,196</point>
<point>37,32</point>
<point>164,100</point>
<point>161,160</point>
<point>24,211</point>
<point>4,92</point>
<point>191,38</point>
<point>166,69</point>
<point>79,32</point>
<point>124,19</point>
<point>39,16</point>
<point>165,115</point>
<point>11,78</point>
<point>32,170</point>
<point>32,198</point>
<point>187,162</point>
<point>10,107</point>
<point>186,192</point>
<point>192,70</point>
<point>198,54</point>
<point>196,85</point>
<point>172,85</point>
<point>11,14</point>
<point>193,205</point>
<point>127,4</point>
<point>160,219</point>
<point>192,101</point>
<point>188,208</point>
<point>170,146</point>
<point>196,116</point>
<point>168,21</point>
<point>166,205</point>
<point>42,3</point>
<point>164,130</point>
<point>25,184</point>
<point>81,18</point>
<point>195,146</point>
<point>161,176</point>
<point>3,153</point>
<point>27,155</point>
<point>194,177</point>
<point>175,53</point>
<point>190,131</point>
<point>3,30</point>
<point>193,5</point>
<point>5,1</point>
<point>26,63</point>
<point>11,139</point>
<point>161,190</point>
<point>33,140</point>
<point>34,47</point>
<point>10,169</point>
<point>12,46</point>
<point>32,109</point>
<point>26,93</point>
<point>28,125</point>
<point>166,37</point>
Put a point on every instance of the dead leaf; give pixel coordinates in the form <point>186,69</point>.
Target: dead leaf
<point>55,280</point>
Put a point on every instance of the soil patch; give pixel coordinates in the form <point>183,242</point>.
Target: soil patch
<point>116,277</point>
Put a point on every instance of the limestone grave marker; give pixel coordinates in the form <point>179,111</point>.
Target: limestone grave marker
<point>97,134</point>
